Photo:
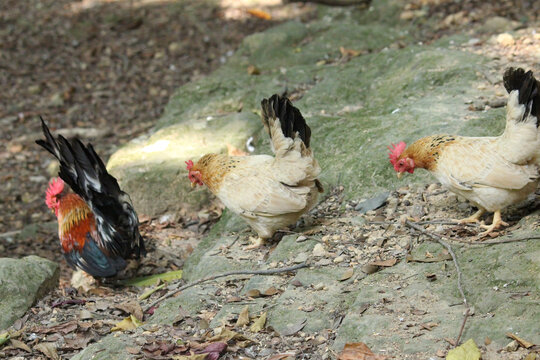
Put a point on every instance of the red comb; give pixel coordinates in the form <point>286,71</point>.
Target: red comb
<point>395,151</point>
<point>56,186</point>
<point>189,164</point>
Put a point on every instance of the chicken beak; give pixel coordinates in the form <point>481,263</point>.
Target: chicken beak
<point>399,175</point>
<point>193,184</point>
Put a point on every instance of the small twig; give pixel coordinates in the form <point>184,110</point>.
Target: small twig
<point>494,242</point>
<point>450,251</point>
<point>439,222</point>
<point>462,326</point>
<point>230,273</point>
<point>459,274</point>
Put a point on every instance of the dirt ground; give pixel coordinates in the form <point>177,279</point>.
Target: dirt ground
<point>104,70</point>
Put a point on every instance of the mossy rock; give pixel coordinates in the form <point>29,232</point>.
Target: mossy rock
<point>22,283</point>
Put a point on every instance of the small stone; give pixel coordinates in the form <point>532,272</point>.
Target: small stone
<point>301,238</point>
<point>319,286</point>
<point>407,15</point>
<point>320,339</point>
<point>318,250</point>
<point>373,203</point>
<point>323,262</point>
<point>153,92</point>
<point>301,258</point>
<point>34,89</point>
<point>505,39</point>
<point>166,218</point>
<point>417,211</point>
<point>265,352</point>
<point>296,283</point>
<point>175,48</point>
<point>57,99</point>
<point>358,221</point>
<point>339,259</point>
<point>512,346</point>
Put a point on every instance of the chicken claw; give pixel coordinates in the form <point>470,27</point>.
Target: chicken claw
<point>257,242</point>
<point>497,223</point>
<point>474,218</point>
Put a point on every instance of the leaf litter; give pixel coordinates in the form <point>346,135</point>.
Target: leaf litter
<point>87,99</point>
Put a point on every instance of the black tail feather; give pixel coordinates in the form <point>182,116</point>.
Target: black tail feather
<point>49,144</point>
<point>291,119</point>
<point>84,171</point>
<point>528,87</point>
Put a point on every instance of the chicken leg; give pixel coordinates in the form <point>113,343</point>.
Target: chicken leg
<point>497,223</point>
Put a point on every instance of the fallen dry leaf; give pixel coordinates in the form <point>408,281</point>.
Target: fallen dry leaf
<point>466,351</point>
<point>243,317</point>
<point>227,335</point>
<point>213,350</point>
<point>358,351</point>
<point>20,345</point>
<point>259,14</point>
<point>294,328</point>
<point>131,307</point>
<point>385,263</point>
<point>129,323</point>
<point>63,328</point>
<point>48,349</point>
<point>440,353</point>
<point>80,341</point>
<point>4,337</point>
<point>253,70</point>
<point>271,291</point>
<point>349,52</point>
<point>82,281</point>
<point>522,342</point>
<point>253,293</point>
<point>347,274</point>
<point>369,268</point>
<point>429,326</point>
<point>258,324</point>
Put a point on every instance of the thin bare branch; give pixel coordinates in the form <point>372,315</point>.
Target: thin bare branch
<point>440,240</point>
<point>462,326</point>
<point>217,276</point>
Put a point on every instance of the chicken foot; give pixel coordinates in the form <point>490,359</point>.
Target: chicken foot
<point>256,243</point>
<point>474,218</point>
<point>497,223</point>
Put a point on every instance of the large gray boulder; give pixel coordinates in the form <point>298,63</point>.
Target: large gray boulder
<point>355,106</point>
<point>22,283</point>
